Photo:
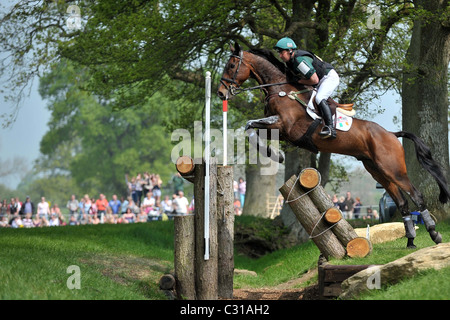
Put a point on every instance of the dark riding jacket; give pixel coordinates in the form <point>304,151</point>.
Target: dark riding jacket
<point>302,69</point>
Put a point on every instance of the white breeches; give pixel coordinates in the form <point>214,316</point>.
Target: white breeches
<point>327,85</point>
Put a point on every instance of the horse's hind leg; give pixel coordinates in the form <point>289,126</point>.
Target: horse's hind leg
<point>417,198</point>
<point>399,199</point>
<point>395,173</point>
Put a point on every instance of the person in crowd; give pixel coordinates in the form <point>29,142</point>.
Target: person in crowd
<point>73,221</point>
<point>4,209</point>
<point>235,189</point>
<point>181,204</point>
<point>139,189</point>
<point>37,221</point>
<point>110,217</point>
<point>13,207</point>
<point>237,206</point>
<point>129,216</point>
<point>84,219</point>
<point>242,189</point>
<point>95,219</point>
<point>341,206</point>
<point>335,200</point>
<point>115,206</point>
<point>102,204</point>
<point>157,183</point>
<point>27,207</point>
<point>54,221</point>
<point>349,201</point>
<point>72,205</point>
<point>134,208</point>
<point>148,203</point>
<point>178,183</point>
<point>55,210</point>
<point>125,202</point>
<point>166,205</point>
<point>43,209</point>
<point>357,208</point>
<point>142,216</point>
<point>191,206</point>
<point>4,222</point>
<point>17,222</point>
<point>27,221</point>
<point>94,209</point>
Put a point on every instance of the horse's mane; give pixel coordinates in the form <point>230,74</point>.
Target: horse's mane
<point>269,56</point>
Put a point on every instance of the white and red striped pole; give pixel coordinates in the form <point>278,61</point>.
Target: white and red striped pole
<point>225,111</point>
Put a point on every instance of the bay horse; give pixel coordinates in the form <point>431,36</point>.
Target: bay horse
<point>379,150</point>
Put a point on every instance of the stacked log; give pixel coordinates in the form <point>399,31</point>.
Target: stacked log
<point>197,277</point>
<point>319,215</point>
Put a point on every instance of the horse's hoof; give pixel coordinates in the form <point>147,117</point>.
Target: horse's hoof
<point>411,246</point>
<point>436,237</point>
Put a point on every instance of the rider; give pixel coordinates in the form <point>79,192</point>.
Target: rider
<point>312,71</point>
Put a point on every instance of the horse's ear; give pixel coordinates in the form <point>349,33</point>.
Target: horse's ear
<point>235,49</point>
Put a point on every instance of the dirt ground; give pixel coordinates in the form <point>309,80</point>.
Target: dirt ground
<point>284,291</point>
<point>308,293</point>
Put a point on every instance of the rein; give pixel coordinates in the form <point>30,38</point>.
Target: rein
<point>234,90</point>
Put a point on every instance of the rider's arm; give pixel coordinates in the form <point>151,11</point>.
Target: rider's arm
<point>306,71</point>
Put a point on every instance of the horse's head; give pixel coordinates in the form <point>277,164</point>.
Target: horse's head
<point>235,73</point>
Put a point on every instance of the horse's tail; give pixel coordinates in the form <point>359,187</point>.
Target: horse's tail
<point>424,157</point>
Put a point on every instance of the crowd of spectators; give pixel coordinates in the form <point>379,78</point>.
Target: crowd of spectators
<point>143,203</point>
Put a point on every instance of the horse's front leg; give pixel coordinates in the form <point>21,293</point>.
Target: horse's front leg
<point>269,123</point>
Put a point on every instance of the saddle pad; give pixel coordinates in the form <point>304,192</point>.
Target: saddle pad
<point>343,122</point>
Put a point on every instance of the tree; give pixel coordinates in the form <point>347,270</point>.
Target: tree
<point>94,145</point>
<point>425,93</point>
<point>133,49</point>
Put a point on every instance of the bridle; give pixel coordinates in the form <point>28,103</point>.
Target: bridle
<point>234,90</point>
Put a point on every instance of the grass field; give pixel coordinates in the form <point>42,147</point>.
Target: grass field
<point>125,262</point>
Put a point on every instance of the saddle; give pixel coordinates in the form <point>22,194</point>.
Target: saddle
<point>342,113</point>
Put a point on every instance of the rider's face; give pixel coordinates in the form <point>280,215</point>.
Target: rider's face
<point>285,55</point>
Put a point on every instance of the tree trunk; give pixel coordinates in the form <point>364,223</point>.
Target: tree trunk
<point>258,187</point>
<point>425,97</point>
<point>295,160</point>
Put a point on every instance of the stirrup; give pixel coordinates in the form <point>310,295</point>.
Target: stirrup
<point>327,132</point>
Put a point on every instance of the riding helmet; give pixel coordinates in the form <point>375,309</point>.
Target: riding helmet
<point>285,44</point>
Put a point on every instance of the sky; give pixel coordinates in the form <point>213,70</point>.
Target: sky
<point>23,137</point>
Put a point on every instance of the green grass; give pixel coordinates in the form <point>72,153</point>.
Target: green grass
<point>120,262</point>
<point>116,261</point>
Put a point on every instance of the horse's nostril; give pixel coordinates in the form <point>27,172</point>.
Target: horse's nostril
<point>220,94</point>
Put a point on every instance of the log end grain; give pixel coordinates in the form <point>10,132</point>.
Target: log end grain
<point>333,215</point>
<point>167,282</point>
<point>185,165</point>
<point>309,178</point>
<point>359,247</point>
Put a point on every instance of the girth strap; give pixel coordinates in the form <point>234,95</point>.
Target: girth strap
<point>305,141</point>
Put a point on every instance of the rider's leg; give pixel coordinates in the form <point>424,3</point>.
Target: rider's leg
<point>325,89</point>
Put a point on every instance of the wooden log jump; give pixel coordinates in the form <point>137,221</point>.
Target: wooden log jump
<point>195,276</point>
<point>325,218</point>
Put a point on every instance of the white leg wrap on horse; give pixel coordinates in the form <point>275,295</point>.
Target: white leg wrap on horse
<point>428,220</point>
<point>409,227</point>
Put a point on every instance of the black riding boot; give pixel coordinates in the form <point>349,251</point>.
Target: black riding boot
<point>328,130</point>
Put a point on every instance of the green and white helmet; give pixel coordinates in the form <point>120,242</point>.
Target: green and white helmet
<point>285,44</point>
